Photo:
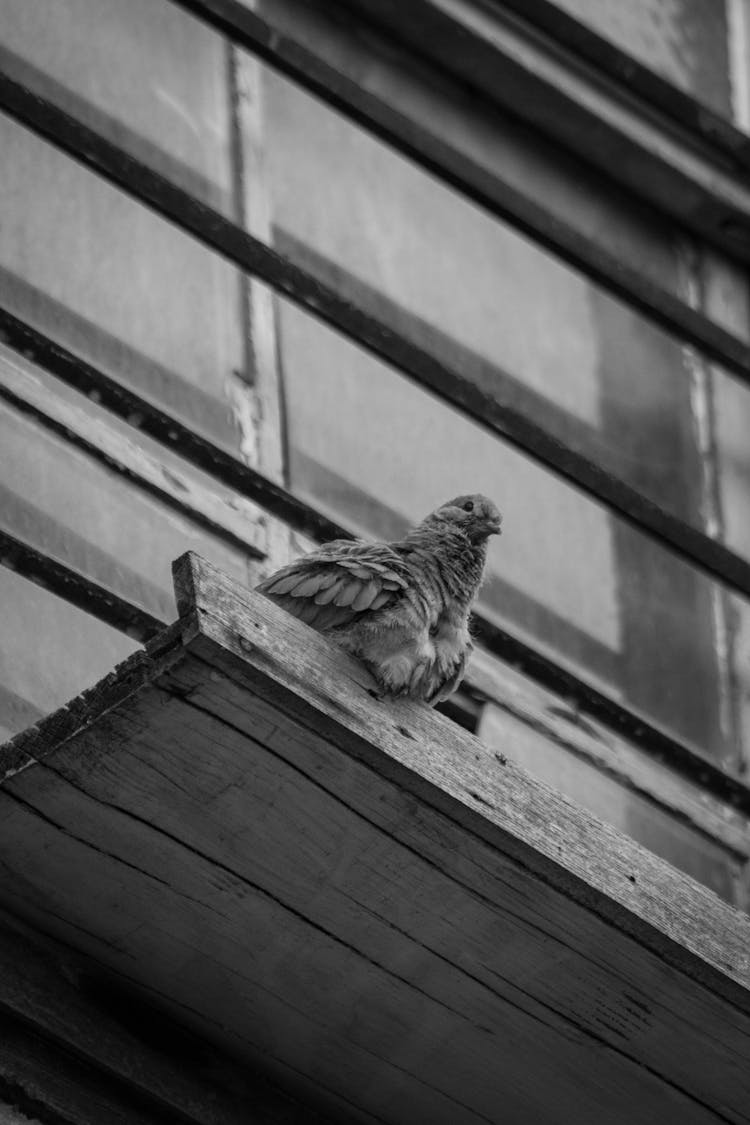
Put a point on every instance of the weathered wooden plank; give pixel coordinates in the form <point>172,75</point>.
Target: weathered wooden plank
<point>172,931</point>
<point>486,876</point>
<point>290,825</point>
<point>138,670</point>
<point>59,1090</point>
<point>673,837</point>
<point>606,872</point>
<point>272,996</point>
<point>388,918</point>
<point>129,1052</point>
<point>559,724</point>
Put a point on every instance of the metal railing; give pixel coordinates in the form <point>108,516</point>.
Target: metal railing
<point>701,121</point>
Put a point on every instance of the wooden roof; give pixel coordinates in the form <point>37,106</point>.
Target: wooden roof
<point>389,919</point>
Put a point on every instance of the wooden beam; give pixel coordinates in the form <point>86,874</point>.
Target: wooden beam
<point>78,1046</point>
<point>385,917</point>
<point>561,728</point>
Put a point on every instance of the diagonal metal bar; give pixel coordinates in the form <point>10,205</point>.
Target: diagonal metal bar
<point>367,330</point>
<point>76,588</point>
<point>151,420</point>
<point>508,65</point>
<point>705,125</point>
<point>144,415</point>
<point>476,182</point>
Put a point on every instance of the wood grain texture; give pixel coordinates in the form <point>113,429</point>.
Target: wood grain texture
<point>559,723</point>
<point>58,1090</point>
<point>664,831</point>
<point>385,917</point>
<point>55,1003</point>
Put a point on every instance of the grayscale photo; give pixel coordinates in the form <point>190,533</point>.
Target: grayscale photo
<point>374,562</point>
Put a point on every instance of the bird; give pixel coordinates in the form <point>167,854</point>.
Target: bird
<point>402,608</point>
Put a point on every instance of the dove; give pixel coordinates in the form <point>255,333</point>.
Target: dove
<point>402,608</point>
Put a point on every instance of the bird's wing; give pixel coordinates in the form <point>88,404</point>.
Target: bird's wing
<point>335,585</point>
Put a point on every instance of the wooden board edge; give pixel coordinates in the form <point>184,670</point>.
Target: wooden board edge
<point>130,1049</point>
<point>688,944</point>
<point>187,571</point>
<point>143,666</point>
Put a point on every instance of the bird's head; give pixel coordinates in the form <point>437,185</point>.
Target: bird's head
<point>475,515</point>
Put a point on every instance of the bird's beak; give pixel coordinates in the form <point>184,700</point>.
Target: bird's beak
<point>493,527</point>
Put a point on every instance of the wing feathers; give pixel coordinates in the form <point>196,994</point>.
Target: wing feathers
<point>282,585</point>
<point>312,585</point>
<point>377,600</point>
<point>348,592</point>
<point>366,596</point>
<point>331,587</point>
<point>381,599</point>
<point>303,608</point>
<point>328,595</point>
<point>331,616</point>
<point>362,572</point>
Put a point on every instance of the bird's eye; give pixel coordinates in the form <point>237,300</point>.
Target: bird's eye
<point>469,506</point>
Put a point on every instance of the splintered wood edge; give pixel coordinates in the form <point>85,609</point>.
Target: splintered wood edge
<point>33,744</point>
<point>585,859</point>
<point>186,572</point>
